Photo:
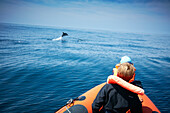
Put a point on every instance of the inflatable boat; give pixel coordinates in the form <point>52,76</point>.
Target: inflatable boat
<point>83,103</point>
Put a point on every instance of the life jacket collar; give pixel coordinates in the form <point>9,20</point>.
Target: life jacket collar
<point>117,80</point>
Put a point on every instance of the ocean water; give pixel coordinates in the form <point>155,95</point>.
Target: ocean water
<point>41,75</point>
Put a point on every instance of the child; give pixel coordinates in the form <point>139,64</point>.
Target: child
<point>116,99</point>
<point>124,59</point>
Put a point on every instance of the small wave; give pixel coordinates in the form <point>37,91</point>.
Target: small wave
<point>9,41</point>
<point>55,39</point>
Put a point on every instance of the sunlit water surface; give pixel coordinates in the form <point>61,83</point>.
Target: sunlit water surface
<point>40,75</point>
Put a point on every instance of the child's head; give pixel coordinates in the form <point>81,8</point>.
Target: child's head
<point>125,59</point>
<point>126,71</point>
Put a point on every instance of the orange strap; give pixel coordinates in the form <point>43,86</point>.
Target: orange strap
<point>117,80</point>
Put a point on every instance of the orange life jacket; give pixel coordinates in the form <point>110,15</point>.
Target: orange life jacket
<point>117,80</point>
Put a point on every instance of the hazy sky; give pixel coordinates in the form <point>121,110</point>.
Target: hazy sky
<point>148,16</point>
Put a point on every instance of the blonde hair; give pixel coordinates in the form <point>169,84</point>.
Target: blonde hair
<point>126,71</point>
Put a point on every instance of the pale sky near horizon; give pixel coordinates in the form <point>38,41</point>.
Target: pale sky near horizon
<point>142,16</point>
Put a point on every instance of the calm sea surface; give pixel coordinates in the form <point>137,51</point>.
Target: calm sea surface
<point>40,75</point>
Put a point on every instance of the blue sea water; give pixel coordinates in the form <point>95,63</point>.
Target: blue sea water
<point>40,75</point>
